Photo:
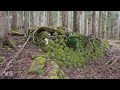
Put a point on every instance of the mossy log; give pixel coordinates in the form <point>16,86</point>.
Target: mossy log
<point>16,33</point>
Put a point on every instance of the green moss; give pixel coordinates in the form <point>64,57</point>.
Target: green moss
<point>61,32</point>
<point>54,77</point>
<point>11,42</point>
<point>49,48</point>
<point>40,50</point>
<point>37,65</point>
<point>62,75</point>
<point>2,59</point>
<point>51,43</point>
<point>16,33</point>
<point>50,55</point>
<point>70,50</point>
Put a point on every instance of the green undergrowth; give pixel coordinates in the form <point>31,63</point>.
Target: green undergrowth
<point>69,50</point>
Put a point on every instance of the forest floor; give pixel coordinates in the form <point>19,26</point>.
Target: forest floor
<point>107,67</point>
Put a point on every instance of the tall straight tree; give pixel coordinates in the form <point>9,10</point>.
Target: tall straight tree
<point>8,20</point>
<point>2,27</point>
<point>14,20</point>
<point>37,18</point>
<point>99,24</point>
<point>58,19</point>
<point>76,22</point>
<point>82,19</point>
<point>118,25</point>
<point>69,21</point>
<point>65,19</point>
<point>86,26</point>
<point>33,18</point>
<point>94,23</point>
<point>29,14</point>
<point>49,18</point>
<point>20,21</point>
<point>105,24</point>
<point>26,22</point>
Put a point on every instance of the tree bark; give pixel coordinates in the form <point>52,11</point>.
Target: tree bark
<point>14,20</point>
<point>76,22</point>
<point>86,27</point>
<point>118,25</point>
<point>65,19</point>
<point>4,37</point>
<point>49,18</point>
<point>99,24</point>
<point>26,22</point>
<point>58,19</point>
<point>94,23</point>
<point>105,25</point>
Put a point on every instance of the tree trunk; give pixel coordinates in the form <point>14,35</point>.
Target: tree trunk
<point>37,18</point>
<point>69,21</point>
<point>20,21</point>
<point>99,24</point>
<point>82,22</point>
<point>49,18</point>
<point>4,37</point>
<point>58,19</point>
<point>14,20</point>
<point>76,22</point>
<point>86,27</point>
<point>33,18</point>
<point>65,19</point>
<point>26,22</point>
<point>118,25</point>
<point>94,23</point>
<point>105,25</point>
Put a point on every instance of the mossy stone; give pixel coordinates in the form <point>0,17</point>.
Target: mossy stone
<point>37,65</point>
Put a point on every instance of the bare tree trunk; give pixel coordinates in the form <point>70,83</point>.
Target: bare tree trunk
<point>4,37</point>
<point>20,21</point>
<point>26,22</point>
<point>58,19</point>
<point>37,18</point>
<point>94,23</point>
<point>2,24</point>
<point>105,25</point>
<point>8,21</point>
<point>33,18</point>
<point>29,14</point>
<point>118,25</point>
<point>76,22</point>
<point>49,18</point>
<point>14,20</point>
<point>65,19</point>
<point>90,32</point>
<point>99,24</point>
<point>82,22</point>
<point>86,27</point>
